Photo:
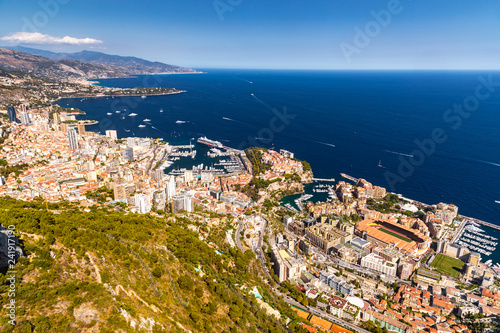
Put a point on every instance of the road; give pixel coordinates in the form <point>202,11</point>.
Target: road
<point>152,160</point>
<point>237,235</point>
<point>260,253</point>
<point>289,300</point>
<point>326,316</point>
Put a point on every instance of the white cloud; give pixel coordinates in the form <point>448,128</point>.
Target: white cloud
<point>38,38</point>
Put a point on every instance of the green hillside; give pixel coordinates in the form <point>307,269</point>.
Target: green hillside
<point>106,271</point>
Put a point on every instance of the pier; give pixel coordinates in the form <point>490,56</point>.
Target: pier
<point>352,179</point>
<point>323,179</point>
<point>183,147</point>
<point>487,224</point>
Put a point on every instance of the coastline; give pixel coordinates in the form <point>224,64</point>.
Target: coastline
<point>119,95</point>
<point>92,82</point>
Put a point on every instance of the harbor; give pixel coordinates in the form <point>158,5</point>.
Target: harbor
<point>206,156</point>
<point>476,239</point>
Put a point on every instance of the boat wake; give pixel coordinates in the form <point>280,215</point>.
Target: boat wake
<point>159,130</point>
<point>395,152</point>
<point>326,144</point>
<point>261,102</point>
<point>485,162</point>
<point>239,78</point>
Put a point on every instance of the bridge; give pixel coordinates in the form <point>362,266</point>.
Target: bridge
<point>324,179</point>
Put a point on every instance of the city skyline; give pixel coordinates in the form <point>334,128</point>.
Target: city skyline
<point>253,34</point>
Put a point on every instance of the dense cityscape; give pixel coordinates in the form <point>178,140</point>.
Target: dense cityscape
<point>235,166</point>
<point>363,260</point>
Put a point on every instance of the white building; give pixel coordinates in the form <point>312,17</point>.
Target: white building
<point>73,139</point>
<point>142,203</point>
<point>379,264</point>
<point>131,142</point>
<point>170,187</point>
<point>183,201</point>
<point>112,135</point>
<point>285,266</point>
<point>188,176</point>
<point>25,118</point>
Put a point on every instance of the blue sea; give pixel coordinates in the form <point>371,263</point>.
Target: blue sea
<point>339,121</point>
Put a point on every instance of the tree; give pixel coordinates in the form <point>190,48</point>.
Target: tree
<point>198,291</point>
<point>185,282</point>
<point>157,272</point>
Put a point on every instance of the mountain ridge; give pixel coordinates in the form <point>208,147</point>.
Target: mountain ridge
<point>128,65</point>
<point>48,69</point>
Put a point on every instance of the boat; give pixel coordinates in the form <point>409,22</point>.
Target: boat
<point>126,130</point>
<point>380,164</point>
<point>147,119</point>
<point>161,110</point>
<point>117,111</point>
<point>497,201</point>
<point>109,113</point>
<point>132,114</point>
<point>180,122</point>
<point>211,143</point>
<point>142,126</point>
<point>143,96</point>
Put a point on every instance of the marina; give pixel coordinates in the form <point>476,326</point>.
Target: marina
<point>299,201</point>
<point>474,238</point>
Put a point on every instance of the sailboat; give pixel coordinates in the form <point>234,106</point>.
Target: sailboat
<point>380,164</point>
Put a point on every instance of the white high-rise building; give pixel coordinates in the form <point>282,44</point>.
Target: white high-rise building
<point>170,188</point>
<point>131,142</point>
<point>25,118</point>
<point>73,139</point>
<point>111,134</point>
<point>188,176</point>
<point>142,203</point>
<point>188,202</point>
<point>183,201</point>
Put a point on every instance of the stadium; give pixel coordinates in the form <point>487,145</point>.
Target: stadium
<point>388,232</point>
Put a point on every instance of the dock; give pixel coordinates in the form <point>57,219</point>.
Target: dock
<point>183,147</point>
<point>487,224</point>
<point>323,179</point>
<point>352,179</point>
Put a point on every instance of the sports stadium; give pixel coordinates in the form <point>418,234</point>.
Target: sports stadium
<point>388,232</point>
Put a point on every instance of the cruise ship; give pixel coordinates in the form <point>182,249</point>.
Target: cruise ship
<point>211,143</point>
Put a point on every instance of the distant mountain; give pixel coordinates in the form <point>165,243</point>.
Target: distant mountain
<point>126,65</point>
<point>64,70</point>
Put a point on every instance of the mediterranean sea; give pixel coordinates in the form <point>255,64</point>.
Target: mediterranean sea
<point>339,121</point>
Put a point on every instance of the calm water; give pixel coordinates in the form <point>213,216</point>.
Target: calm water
<point>338,121</point>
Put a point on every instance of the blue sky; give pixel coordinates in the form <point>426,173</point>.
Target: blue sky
<point>288,34</point>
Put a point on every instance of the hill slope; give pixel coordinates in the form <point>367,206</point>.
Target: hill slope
<point>126,65</point>
<point>107,271</point>
<point>67,70</point>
